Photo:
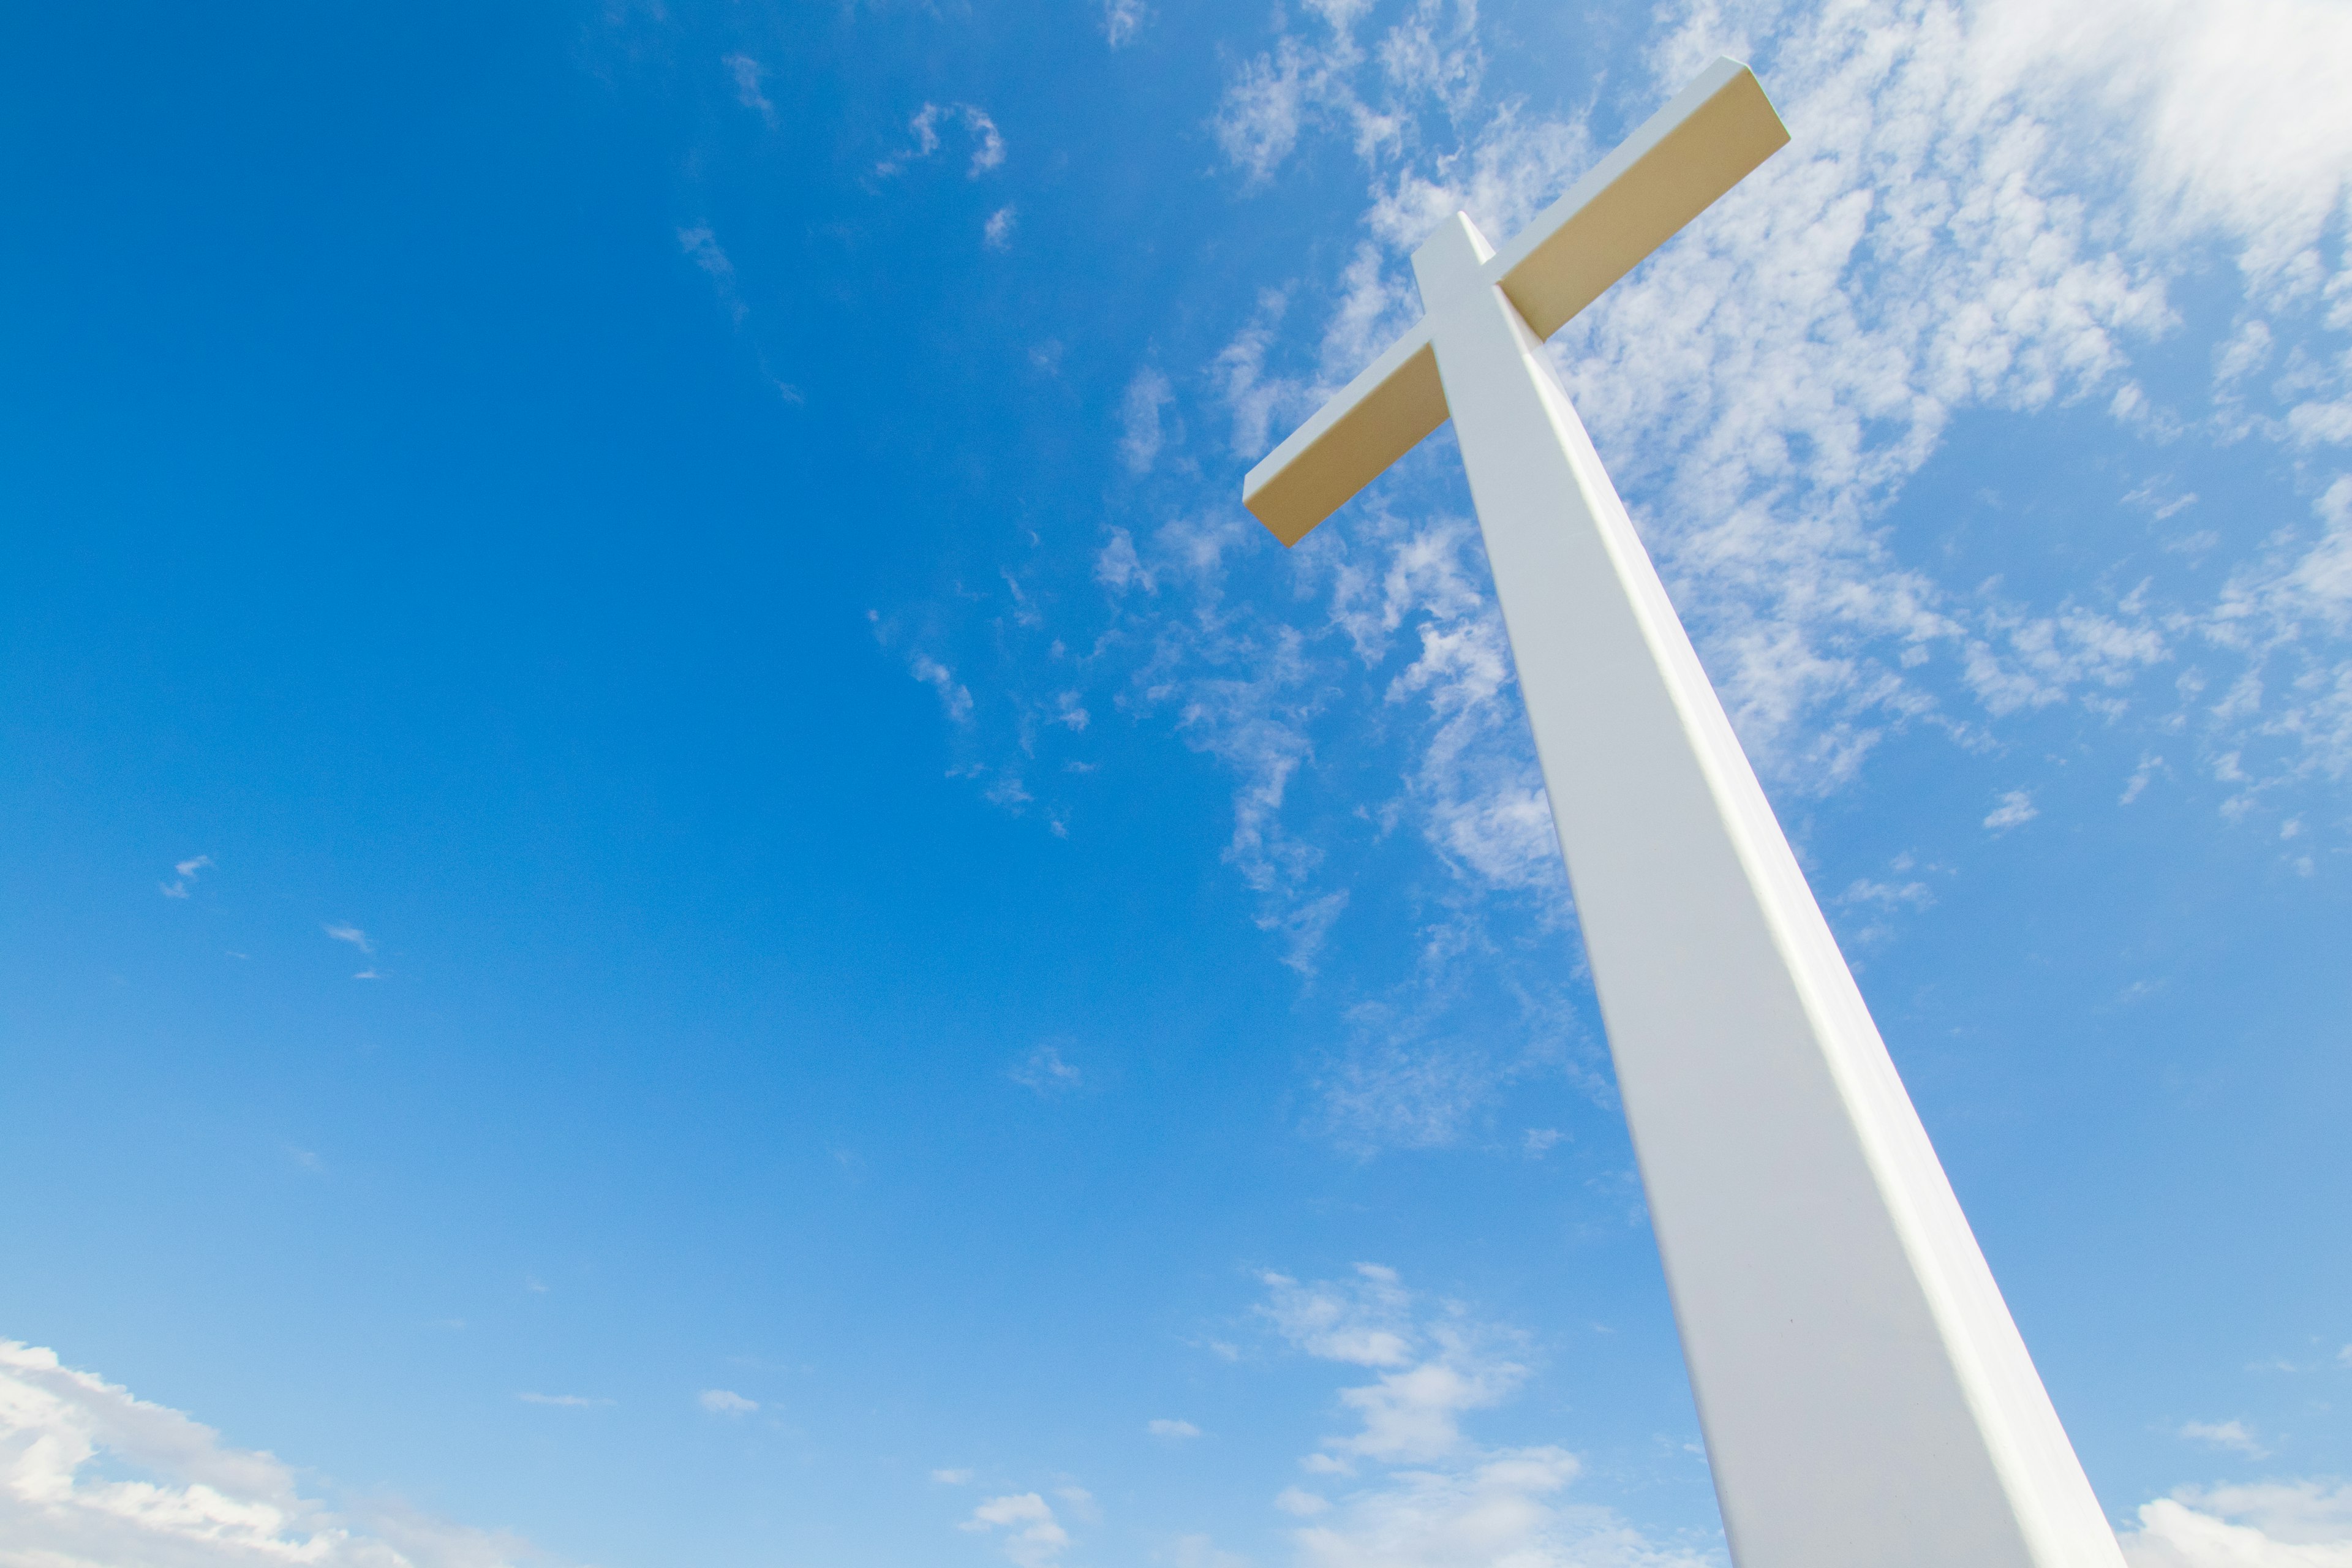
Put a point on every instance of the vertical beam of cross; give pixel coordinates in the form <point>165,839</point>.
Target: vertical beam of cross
<point>1866,1399</point>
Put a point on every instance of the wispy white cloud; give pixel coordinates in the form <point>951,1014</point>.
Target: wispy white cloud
<point>1044,1070</point>
<point>2232,1435</point>
<point>952,1478</point>
<point>564,1400</point>
<point>67,1437</point>
<point>1123,21</point>
<point>1176,1430</point>
<point>988,144</point>
<point>352,934</point>
<point>987,141</point>
<point>954,697</point>
<point>1140,435</point>
<point>1413,1487</point>
<point>1363,1321</point>
<point>185,876</point>
<point>725,1402</point>
<point>1033,1537</point>
<point>360,940</point>
<point>748,73</point>
<point>2016,809</point>
<point>702,248</point>
<point>996,233</point>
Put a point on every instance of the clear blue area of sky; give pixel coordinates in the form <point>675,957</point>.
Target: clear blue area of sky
<point>409,514</point>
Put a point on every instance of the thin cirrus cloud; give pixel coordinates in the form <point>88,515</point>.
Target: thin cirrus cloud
<point>725,1402</point>
<point>987,141</point>
<point>2016,809</point>
<point>352,934</point>
<point>1141,432</point>
<point>564,1400</point>
<point>1176,1431</point>
<point>185,876</point>
<point>359,938</point>
<point>1033,1537</point>
<point>1045,1072</point>
<point>748,75</point>
<point>1414,1486</point>
<point>2233,1436</point>
<point>67,1436</point>
<point>1124,21</point>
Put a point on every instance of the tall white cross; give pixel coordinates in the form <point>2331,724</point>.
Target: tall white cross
<point>1866,1399</point>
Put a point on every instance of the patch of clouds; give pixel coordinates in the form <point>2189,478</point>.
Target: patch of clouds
<point>1984,213</point>
<point>1045,1072</point>
<point>1033,1537</point>
<point>1926,252</point>
<point>345,932</point>
<point>184,876</point>
<point>1414,1487</point>
<point>701,247</point>
<point>2266,1524</point>
<point>952,1478</point>
<point>955,699</point>
<point>980,129</point>
<point>1175,1430</point>
<point>565,1401</point>
<point>2015,810</point>
<point>996,233</point>
<point>1140,425</point>
<point>1364,1320</point>
<point>725,1402</point>
<point>2232,1435</point>
<point>748,75</point>
<point>91,1476</point>
<point>1124,21</point>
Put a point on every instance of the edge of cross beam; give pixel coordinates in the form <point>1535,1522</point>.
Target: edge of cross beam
<point>1384,413</point>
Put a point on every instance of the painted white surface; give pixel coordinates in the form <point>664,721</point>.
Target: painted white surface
<point>1866,1398</point>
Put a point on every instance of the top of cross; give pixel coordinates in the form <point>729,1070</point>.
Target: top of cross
<point>1658,179</point>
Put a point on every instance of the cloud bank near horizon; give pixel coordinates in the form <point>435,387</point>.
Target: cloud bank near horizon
<point>93,1476</point>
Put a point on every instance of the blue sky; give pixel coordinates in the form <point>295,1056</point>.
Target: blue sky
<point>682,886</point>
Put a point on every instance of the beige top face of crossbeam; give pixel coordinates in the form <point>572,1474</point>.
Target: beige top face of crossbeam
<point>1374,420</point>
<point>1673,168</point>
<point>1668,172</point>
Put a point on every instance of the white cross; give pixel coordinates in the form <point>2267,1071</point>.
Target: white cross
<point>1866,1399</point>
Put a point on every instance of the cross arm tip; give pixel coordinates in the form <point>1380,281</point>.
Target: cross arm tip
<point>1374,420</point>
<point>1672,168</point>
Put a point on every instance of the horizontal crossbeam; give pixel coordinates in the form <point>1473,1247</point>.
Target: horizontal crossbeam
<point>1668,172</point>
